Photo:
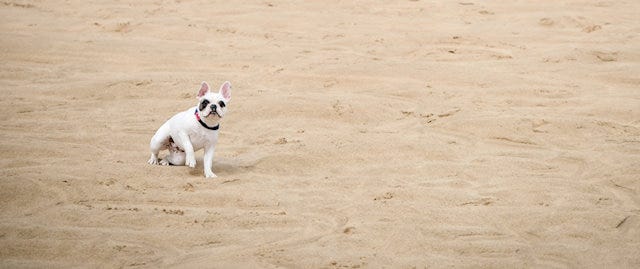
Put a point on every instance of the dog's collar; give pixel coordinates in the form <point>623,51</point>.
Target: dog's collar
<point>204,124</point>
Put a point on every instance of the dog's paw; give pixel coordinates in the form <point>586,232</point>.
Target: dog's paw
<point>164,162</point>
<point>209,174</point>
<point>153,160</point>
<point>191,162</point>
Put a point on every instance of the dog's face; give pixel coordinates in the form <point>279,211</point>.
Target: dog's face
<point>212,106</point>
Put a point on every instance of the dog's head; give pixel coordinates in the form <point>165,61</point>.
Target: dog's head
<point>212,106</point>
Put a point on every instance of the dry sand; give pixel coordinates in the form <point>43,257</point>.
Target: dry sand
<point>412,134</point>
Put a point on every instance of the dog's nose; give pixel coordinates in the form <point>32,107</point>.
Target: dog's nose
<point>213,107</point>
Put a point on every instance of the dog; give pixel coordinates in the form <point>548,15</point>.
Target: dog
<point>192,130</point>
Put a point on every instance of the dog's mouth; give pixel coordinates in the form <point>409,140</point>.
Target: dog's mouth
<point>214,113</point>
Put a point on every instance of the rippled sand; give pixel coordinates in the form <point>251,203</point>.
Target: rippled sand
<point>413,134</point>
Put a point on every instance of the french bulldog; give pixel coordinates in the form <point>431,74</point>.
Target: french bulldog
<point>192,130</point>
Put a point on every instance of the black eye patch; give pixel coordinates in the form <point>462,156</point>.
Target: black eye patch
<point>221,104</point>
<point>203,104</point>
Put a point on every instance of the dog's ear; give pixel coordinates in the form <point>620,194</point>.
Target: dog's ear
<point>203,89</point>
<point>225,90</point>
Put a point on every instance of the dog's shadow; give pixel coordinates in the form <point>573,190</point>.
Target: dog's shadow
<point>223,167</point>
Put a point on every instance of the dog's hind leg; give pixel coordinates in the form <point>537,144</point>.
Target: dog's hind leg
<point>159,141</point>
<point>176,156</point>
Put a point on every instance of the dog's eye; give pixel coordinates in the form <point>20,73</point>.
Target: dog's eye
<point>204,104</point>
<point>221,104</point>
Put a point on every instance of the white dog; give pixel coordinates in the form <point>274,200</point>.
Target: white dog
<point>192,130</point>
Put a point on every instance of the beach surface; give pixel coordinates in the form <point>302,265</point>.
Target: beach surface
<point>360,134</point>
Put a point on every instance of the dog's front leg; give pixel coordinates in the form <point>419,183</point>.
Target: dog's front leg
<point>208,161</point>
<point>188,149</point>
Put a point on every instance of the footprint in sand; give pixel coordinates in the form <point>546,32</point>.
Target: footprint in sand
<point>449,113</point>
<point>606,56</point>
<point>483,201</point>
<point>123,27</point>
<point>546,22</point>
<point>385,196</point>
<point>591,28</point>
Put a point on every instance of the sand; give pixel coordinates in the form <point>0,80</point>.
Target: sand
<point>361,134</point>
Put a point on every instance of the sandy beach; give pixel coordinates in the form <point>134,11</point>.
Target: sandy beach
<point>360,134</point>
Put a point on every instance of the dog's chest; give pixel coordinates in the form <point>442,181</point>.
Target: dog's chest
<point>202,137</point>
